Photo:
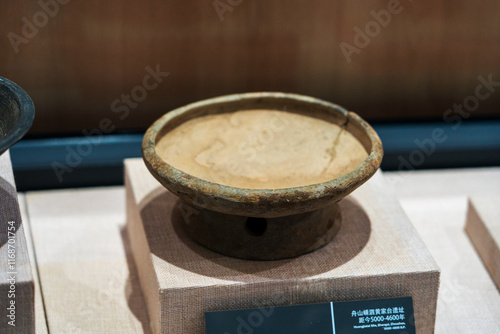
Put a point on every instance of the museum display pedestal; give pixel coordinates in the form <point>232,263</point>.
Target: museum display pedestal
<point>377,253</point>
<point>483,228</point>
<point>17,301</point>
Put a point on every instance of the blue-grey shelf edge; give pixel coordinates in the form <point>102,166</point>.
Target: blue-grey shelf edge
<point>98,161</point>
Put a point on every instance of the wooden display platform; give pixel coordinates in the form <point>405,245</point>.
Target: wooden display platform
<point>376,254</point>
<point>17,301</point>
<point>483,228</point>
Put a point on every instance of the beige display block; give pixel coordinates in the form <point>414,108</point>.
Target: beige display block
<point>436,203</point>
<point>40,319</point>
<point>483,228</point>
<point>88,282</point>
<point>17,310</point>
<point>376,254</point>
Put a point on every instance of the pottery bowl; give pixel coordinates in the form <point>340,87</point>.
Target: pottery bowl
<point>16,113</point>
<point>259,175</point>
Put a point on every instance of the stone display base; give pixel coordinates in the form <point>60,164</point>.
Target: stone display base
<point>17,296</point>
<point>483,228</point>
<point>377,253</point>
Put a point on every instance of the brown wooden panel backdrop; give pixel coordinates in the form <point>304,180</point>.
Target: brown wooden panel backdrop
<point>76,57</point>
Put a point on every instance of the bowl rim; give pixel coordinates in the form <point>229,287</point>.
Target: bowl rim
<point>258,202</point>
<point>26,117</point>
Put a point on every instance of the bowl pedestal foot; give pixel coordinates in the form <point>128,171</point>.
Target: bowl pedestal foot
<point>255,238</point>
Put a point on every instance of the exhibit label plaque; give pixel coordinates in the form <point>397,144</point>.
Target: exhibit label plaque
<point>393,315</point>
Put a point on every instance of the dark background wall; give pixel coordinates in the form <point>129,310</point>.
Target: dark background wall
<point>85,54</point>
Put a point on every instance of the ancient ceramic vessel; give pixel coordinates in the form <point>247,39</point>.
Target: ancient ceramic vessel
<point>16,113</point>
<point>259,175</point>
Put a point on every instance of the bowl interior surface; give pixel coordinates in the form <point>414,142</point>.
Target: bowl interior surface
<point>261,149</point>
